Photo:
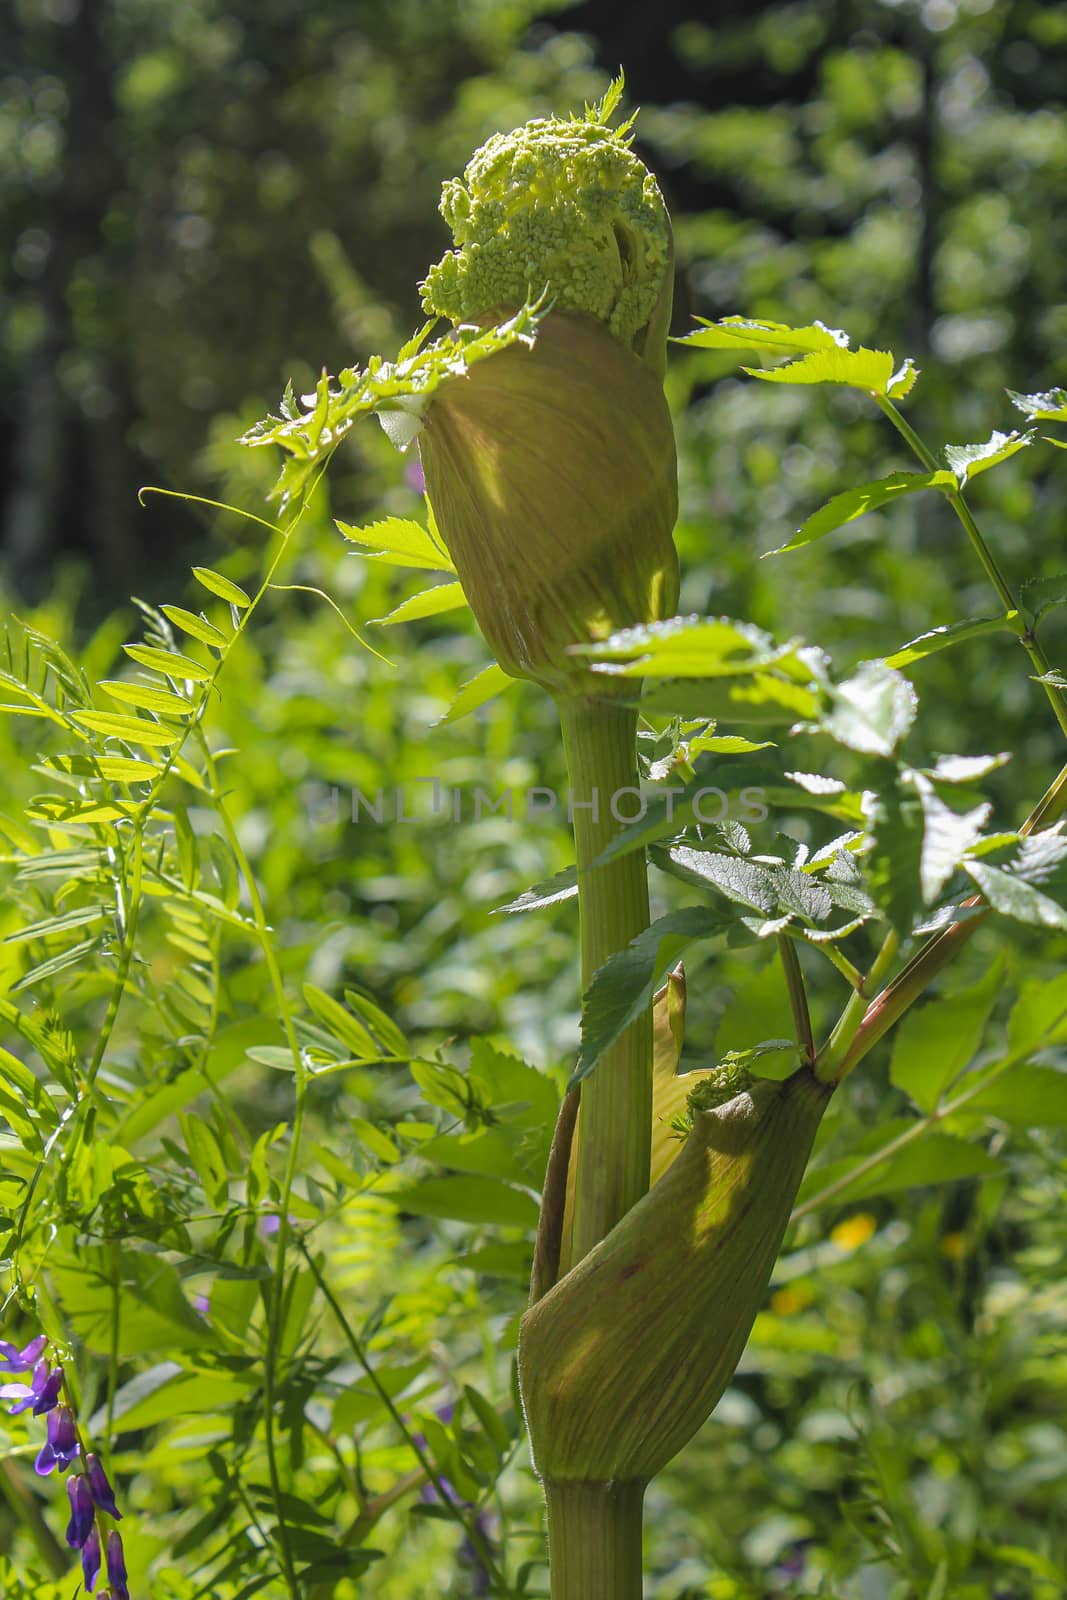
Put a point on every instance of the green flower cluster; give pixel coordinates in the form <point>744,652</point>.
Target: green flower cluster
<point>559,204</point>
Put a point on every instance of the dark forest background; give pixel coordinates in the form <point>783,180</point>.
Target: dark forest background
<point>204,198</point>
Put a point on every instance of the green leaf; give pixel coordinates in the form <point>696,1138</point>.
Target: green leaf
<point>492,1422</point>
<point>947,635</point>
<point>55,964</point>
<point>131,730</point>
<point>51,925</point>
<point>165,1391</point>
<point>947,836</point>
<point>967,460</point>
<point>1041,594</point>
<point>872,711</point>
<point>552,892</point>
<point>871,370</point>
<point>491,681</point>
<point>746,333</point>
<point>689,647</point>
<point>224,588</point>
<point>381,1025</point>
<point>206,1156</point>
<point>429,603</point>
<point>168,662</point>
<point>1026,1097</point>
<point>1051,406</point>
<point>124,769</point>
<point>765,698</point>
<point>933,1158</point>
<point>623,987</point>
<point>476,1200</point>
<point>196,627</point>
<point>340,1024</point>
<point>1039,1017</point>
<point>853,503</point>
<point>1013,897</point>
<point>374,1141</point>
<point>935,1042</point>
<point>146,698</point>
<point>893,864</point>
<point>400,542</point>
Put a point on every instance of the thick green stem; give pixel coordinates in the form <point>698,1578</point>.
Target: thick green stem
<point>599,739</point>
<point>594,1540</point>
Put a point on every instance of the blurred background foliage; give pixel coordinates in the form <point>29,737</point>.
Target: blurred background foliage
<point>205,199</point>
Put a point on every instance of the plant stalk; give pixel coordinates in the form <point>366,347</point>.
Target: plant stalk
<point>614,1139</point>
<point>594,1540</point>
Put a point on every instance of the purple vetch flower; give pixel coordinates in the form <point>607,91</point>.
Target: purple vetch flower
<point>116,1566</point>
<point>91,1558</point>
<point>414,476</point>
<point>101,1490</point>
<point>42,1391</point>
<point>82,1514</point>
<point>12,1359</point>
<point>51,1385</point>
<point>61,1446</point>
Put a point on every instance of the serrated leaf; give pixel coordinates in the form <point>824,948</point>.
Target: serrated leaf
<point>223,588</point>
<point>684,647</point>
<point>746,333</point>
<point>967,460</point>
<point>872,711</point>
<point>1051,406</point>
<point>196,627</point>
<point>1013,897</point>
<point>947,836</point>
<point>484,686</point>
<point>764,698</point>
<point>871,370</point>
<point>399,542</point>
<point>854,503</point>
<point>966,769</point>
<point>893,861</point>
<point>1041,594</point>
<point>429,603</point>
<point>623,987</point>
<point>1039,1016</point>
<point>947,635</point>
<point>935,1042</point>
<point>551,892</point>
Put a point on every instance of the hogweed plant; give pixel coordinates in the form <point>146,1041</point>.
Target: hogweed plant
<point>548,450</point>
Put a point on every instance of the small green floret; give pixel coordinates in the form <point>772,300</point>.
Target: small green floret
<point>557,204</point>
<point>727,1080</point>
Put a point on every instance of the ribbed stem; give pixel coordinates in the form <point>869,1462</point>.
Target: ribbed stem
<point>599,740</point>
<point>594,1540</point>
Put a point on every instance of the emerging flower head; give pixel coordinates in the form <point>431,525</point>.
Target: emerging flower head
<point>562,204</point>
<point>552,470</point>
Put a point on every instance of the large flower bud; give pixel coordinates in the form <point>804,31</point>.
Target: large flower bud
<point>551,468</point>
<point>553,479</point>
<point>625,1358</point>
